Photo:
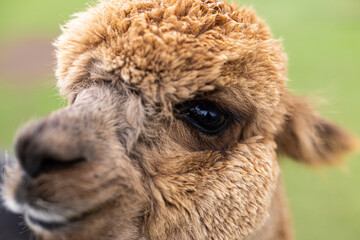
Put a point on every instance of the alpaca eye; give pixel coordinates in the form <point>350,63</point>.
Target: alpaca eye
<point>204,115</point>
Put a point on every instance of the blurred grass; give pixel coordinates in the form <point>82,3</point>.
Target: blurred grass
<point>19,104</point>
<point>322,39</point>
<point>30,17</point>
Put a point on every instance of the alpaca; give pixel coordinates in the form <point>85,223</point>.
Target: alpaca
<point>177,112</point>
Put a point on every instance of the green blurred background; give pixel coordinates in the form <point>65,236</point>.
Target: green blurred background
<point>322,39</point>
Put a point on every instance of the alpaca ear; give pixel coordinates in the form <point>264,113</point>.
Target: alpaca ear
<point>310,138</point>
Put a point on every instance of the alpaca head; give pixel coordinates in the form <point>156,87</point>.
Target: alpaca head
<point>177,111</point>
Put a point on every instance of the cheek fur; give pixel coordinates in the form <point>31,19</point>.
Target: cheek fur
<point>202,189</point>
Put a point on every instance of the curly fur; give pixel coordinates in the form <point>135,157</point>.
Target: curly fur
<point>124,66</point>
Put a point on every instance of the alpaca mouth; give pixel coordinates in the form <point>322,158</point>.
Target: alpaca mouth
<point>56,222</point>
<point>46,225</point>
<point>51,224</point>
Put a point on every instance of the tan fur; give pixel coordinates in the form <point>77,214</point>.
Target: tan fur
<point>125,66</point>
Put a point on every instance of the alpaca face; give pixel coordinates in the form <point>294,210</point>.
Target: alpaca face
<point>98,167</point>
<point>175,111</point>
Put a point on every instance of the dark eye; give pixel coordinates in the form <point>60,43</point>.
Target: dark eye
<point>203,115</point>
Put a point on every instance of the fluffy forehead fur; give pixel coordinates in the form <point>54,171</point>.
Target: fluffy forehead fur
<point>170,51</point>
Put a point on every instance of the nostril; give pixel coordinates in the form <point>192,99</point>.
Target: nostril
<point>31,164</point>
<point>38,151</point>
<point>38,163</point>
<point>49,163</point>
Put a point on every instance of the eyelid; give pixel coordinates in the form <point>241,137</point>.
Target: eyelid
<point>184,114</point>
<point>203,130</point>
<point>185,105</point>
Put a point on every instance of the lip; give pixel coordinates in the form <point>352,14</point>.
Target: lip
<point>52,225</point>
<point>46,225</point>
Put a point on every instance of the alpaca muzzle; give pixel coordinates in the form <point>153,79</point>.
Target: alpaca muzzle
<point>72,135</point>
<point>71,156</point>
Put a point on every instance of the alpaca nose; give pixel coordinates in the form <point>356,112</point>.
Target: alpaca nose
<point>42,147</point>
